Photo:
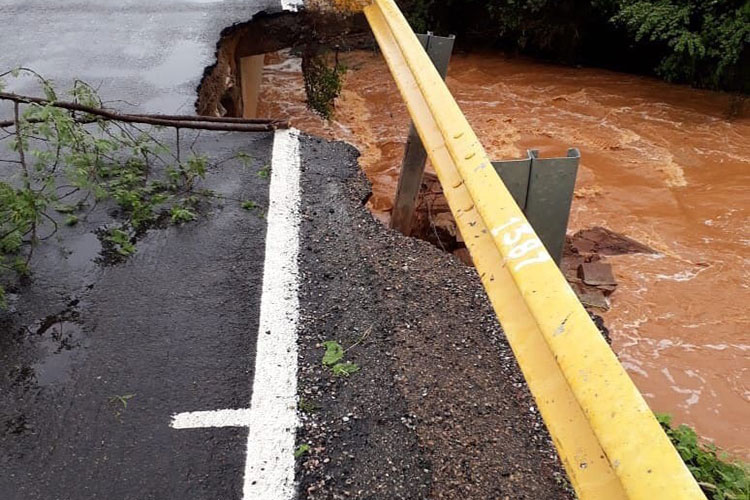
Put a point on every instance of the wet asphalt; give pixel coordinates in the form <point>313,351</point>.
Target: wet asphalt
<point>143,55</point>
<point>95,359</point>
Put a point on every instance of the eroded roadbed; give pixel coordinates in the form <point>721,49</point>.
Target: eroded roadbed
<point>439,408</point>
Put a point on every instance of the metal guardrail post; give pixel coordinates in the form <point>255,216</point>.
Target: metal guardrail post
<point>439,49</point>
<point>515,175</point>
<point>543,189</point>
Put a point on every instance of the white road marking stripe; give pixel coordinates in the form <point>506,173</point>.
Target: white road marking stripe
<point>215,418</point>
<point>269,466</point>
<point>272,417</point>
<point>292,5</point>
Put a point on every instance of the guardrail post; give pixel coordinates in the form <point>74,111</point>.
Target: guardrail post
<point>543,189</point>
<point>410,179</point>
<point>551,186</point>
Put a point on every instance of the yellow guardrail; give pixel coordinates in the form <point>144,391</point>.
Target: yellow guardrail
<point>611,445</point>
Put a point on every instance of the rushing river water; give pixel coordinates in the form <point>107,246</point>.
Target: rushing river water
<point>660,164</point>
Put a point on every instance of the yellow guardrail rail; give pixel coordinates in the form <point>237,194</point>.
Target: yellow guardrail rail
<point>611,445</point>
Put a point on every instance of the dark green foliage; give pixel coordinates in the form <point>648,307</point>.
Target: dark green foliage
<point>718,477</point>
<point>701,42</point>
<point>323,83</point>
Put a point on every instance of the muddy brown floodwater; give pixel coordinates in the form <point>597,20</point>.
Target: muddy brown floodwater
<point>660,164</point>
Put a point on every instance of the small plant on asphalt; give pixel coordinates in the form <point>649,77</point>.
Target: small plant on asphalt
<point>345,369</point>
<point>249,205</point>
<point>301,450</point>
<point>306,406</point>
<point>120,403</point>
<point>333,359</point>
<point>120,241</point>
<point>265,172</point>
<point>244,158</point>
<point>719,478</point>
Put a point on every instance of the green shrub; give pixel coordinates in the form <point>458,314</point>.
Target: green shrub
<point>323,83</point>
<point>719,478</point>
<point>702,41</point>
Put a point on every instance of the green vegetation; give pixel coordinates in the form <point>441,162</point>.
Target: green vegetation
<point>119,404</point>
<point>323,82</point>
<point>344,369</point>
<point>719,478</point>
<point>265,172</point>
<point>332,359</point>
<point>334,353</point>
<point>306,406</point>
<point>301,450</point>
<point>701,42</point>
<point>64,161</point>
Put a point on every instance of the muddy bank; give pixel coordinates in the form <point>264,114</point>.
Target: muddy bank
<point>661,164</point>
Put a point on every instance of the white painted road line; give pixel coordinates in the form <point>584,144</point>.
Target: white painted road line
<point>272,417</point>
<point>215,418</point>
<point>292,5</point>
<point>269,466</point>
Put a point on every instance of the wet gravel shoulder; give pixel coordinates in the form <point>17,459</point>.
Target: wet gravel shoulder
<point>439,408</point>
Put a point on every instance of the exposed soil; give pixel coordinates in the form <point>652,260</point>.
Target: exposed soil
<point>219,93</point>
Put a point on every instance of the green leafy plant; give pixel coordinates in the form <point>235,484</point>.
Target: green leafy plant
<point>345,369</point>
<point>301,450</point>
<point>332,359</point>
<point>306,406</point>
<point>120,403</point>
<point>323,82</point>
<point>265,172</point>
<point>249,205</point>
<point>244,158</point>
<point>702,41</point>
<point>122,400</point>
<point>120,241</point>
<point>334,353</point>
<point>719,478</point>
<point>66,160</point>
<point>181,214</point>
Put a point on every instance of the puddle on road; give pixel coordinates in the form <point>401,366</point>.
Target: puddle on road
<point>660,164</point>
<point>83,251</point>
<point>59,342</point>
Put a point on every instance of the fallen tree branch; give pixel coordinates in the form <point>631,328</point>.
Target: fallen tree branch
<point>190,122</point>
